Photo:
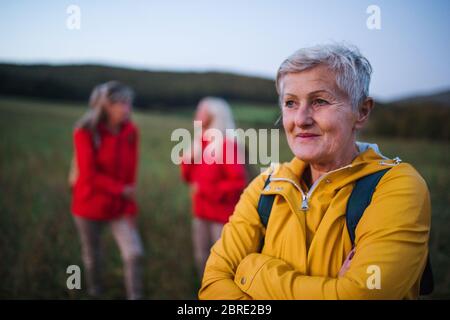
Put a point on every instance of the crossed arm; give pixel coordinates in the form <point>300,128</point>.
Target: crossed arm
<point>394,239</point>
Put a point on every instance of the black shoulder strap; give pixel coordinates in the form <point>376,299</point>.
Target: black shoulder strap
<point>360,199</point>
<point>265,204</point>
<point>358,202</point>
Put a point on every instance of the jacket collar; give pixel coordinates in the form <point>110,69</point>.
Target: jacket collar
<point>288,186</point>
<point>368,161</point>
<point>368,154</point>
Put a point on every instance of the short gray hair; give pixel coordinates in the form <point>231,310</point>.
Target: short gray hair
<point>352,69</point>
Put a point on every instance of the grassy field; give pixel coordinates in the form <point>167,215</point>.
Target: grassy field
<point>38,239</point>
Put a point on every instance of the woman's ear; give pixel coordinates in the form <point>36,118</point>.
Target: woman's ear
<point>364,113</point>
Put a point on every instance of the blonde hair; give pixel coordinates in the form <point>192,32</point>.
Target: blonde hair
<point>221,119</point>
<point>220,112</point>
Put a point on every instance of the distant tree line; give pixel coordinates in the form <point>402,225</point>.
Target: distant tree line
<point>421,117</point>
<point>418,120</point>
<point>154,89</point>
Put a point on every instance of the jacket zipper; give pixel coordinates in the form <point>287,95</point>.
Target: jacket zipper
<point>306,197</point>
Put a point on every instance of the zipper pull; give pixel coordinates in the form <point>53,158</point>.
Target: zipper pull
<point>305,203</point>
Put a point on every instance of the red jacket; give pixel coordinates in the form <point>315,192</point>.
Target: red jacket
<point>104,171</point>
<point>219,186</point>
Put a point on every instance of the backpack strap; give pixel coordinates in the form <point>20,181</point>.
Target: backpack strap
<point>358,202</point>
<point>360,199</point>
<point>265,204</point>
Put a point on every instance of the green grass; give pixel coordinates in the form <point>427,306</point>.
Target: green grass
<point>38,239</point>
<point>259,115</point>
<point>255,114</point>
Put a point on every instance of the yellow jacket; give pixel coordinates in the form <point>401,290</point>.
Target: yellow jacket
<point>305,249</point>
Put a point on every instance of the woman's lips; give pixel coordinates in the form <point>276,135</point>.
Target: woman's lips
<point>306,136</point>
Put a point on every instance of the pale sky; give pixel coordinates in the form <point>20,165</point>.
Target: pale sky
<point>409,54</point>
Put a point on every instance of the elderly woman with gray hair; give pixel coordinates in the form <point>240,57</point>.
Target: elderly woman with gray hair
<point>340,221</point>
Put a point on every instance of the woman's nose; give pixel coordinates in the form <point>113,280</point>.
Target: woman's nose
<point>303,116</point>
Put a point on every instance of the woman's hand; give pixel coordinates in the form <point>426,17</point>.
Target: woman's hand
<point>346,265</point>
<point>194,188</point>
<point>129,192</point>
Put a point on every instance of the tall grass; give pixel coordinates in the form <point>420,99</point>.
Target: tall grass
<point>38,239</point>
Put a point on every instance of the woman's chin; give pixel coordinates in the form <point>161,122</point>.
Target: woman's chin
<point>305,154</point>
<point>306,159</point>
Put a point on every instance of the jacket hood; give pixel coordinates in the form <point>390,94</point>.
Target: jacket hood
<point>364,146</point>
<point>368,161</point>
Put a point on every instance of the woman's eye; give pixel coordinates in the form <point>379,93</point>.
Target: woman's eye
<point>289,103</point>
<point>320,102</point>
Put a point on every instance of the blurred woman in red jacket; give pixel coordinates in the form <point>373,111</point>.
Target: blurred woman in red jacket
<point>215,185</point>
<point>103,180</point>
